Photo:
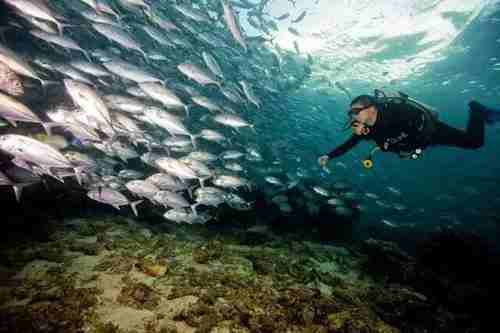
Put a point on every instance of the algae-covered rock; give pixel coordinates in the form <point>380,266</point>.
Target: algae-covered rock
<point>63,311</point>
<point>213,250</point>
<point>402,306</point>
<point>154,268</point>
<point>90,249</point>
<point>357,320</point>
<point>115,264</point>
<point>138,295</point>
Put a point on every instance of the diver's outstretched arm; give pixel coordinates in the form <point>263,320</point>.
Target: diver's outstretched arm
<point>345,147</point>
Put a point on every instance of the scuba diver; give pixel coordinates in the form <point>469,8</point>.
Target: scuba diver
<point>406,127</point>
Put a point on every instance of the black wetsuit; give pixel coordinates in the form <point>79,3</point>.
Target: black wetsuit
<point>402,128</point>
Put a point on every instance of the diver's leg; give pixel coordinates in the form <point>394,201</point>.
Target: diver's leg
<point>471,138</point>
<point>491,116</point>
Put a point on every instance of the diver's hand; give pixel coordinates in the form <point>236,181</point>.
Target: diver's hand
<point>323,160</point>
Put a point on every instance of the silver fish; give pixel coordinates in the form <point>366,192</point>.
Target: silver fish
<point>172,199</point>
<point>90,68</point>
<point>166,182</point>
<point>90,102</point>
<point>158,36</point>
<point>232,24</point>
<point>129,71</point>
<point>249,93</point>
<point>162,94</point>
<point>73,73</point>
<point>17,64</point>
<point>119,36</point>
<point>14,111</point>
<point>170,123</point>
<point>142,188</point>
<point>206,103</point>
<point>95,17</point>
<point>33,151</point>
<point>212,64</point>
<point>228,181</point>
<point>181,215</point>
<point>192,13</point>
<point>194,72</point>
<point>124,103</point>
<point>62,41</point>
<point>232,121</point>
<point>113,198</point>
<point>36,9</point>
<point>176,168</point>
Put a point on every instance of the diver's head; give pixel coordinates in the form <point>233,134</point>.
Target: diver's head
<point>363,110</point>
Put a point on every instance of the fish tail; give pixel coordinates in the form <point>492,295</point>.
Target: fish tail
<point>133,205</point>
<point>193,140</point>
<point>87,55</point>
<point>193,208</point>
<point>60,27</point>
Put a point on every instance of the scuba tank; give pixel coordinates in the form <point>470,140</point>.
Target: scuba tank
<point>429,122</point>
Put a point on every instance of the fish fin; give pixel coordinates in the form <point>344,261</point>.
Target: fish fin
<point>53,175</point>
<point>87,55</point>
<point>48,127</point>
<point>78,174</point>
<point>202,181</point>
<point>116,206</point>
<point>144,55</point>
<point>133,205</point>
<point>190,191</point>
<point>193,208</point>
<point>18,189</point>
<point>12,122</point>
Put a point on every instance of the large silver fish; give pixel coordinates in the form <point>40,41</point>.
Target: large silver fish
<point>142,188</point>
<point>89,101</point>
<point>62,41</point>
<point>130,72</point>
<point>175,167</point>
<point>162,94</point>
<point>212,64</point>
<point>196,73</point>
<point>14,111</point>
<point>232,121</point>
<point>37,9</point>
<point>113,198</point>
<point>17,64</point>
<point>232,24</point>
<point>119,36</point>
<point>26,149</point>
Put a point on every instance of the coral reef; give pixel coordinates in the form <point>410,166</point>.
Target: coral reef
<point>115,275</point>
